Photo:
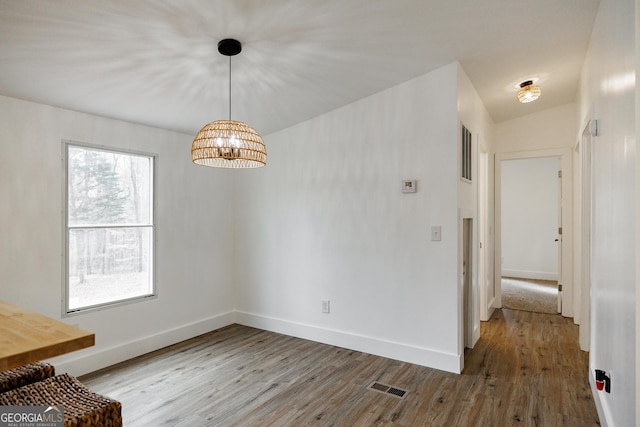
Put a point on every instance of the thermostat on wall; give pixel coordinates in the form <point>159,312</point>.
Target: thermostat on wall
<point>409,186</point>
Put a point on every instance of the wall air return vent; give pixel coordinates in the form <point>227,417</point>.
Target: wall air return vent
<point>466,154</point>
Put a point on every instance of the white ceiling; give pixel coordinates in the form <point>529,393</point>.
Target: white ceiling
<point>155,62</point>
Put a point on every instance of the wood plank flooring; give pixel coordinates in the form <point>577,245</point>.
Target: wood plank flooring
<point>526,370</point>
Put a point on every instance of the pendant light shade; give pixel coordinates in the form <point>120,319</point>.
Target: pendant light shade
<point>528,92</point>
<point>228,143</point>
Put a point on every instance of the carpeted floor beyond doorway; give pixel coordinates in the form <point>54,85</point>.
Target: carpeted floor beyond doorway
<point>540,296</point>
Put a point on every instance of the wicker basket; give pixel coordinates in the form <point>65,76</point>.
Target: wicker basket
<point>23,375</point>
<point>82,407</point>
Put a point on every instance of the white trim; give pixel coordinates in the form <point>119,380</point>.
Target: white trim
<point>372,345</point>
<point>474,316</point>
<point>89,360</point>
<point>153,158</point>
<point>483,232</point>
<point>583,235</point>
<point>491,305</point>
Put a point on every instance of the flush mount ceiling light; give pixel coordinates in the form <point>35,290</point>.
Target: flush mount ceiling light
<point>528,92</point>
<point>228,143</point>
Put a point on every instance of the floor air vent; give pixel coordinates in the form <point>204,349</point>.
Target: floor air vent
<point>386,389</point>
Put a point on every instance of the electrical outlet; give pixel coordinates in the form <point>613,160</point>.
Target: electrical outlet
<point>326,308</point>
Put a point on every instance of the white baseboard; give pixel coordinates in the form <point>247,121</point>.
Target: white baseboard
<point>475,336</point>
<point>490,309</point>
<point>393,350</point>
<point>535,275</point>
<point>91,359</point>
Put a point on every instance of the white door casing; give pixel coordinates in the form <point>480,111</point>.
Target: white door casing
<point>560,237</point>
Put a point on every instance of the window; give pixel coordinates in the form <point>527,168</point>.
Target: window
<point>109,227</point>
<point>465,171</point>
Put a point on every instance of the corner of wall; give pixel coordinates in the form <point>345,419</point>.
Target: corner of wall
<point>87,361</point>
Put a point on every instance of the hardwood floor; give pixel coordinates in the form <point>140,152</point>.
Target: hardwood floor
<point>526,370</point>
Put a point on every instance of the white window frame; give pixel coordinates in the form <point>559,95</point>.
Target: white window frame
<point>67,312</point>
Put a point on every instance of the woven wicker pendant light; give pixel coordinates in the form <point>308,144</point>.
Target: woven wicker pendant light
<point>528,92</point>
<point>228,143</point>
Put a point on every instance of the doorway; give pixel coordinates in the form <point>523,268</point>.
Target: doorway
<point>564,212</point>
<point>531,223</point>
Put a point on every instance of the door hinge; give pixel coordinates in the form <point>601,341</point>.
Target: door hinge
<point>560,231</point>
<point>559,174</point>
<point>559,287</point>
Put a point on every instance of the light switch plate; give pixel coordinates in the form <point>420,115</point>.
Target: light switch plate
<point>436,233</point>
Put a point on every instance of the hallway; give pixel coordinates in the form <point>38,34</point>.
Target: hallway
<point>532,370</point>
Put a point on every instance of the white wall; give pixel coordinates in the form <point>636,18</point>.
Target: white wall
<point>551,128</point>
<point>194,218</point>
<point>475,117</point>
<point>530,218</point>
<point>327,220</point>
<point>608,93</point>
<point>637,118</point>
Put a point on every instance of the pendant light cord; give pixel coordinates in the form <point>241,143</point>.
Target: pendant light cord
<point>229,87</point>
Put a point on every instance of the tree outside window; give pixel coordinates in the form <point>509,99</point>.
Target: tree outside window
<point>110,229</point>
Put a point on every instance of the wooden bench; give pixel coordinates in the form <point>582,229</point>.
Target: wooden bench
<point>82,407</point>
